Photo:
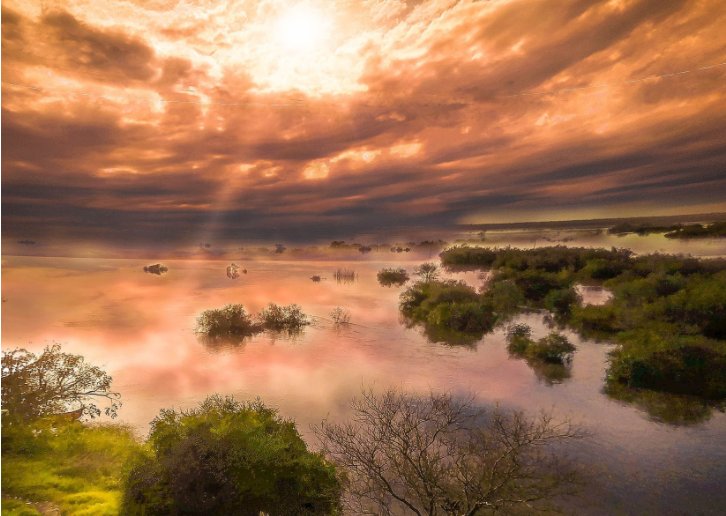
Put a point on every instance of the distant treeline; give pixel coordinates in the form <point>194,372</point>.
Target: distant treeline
<point>713,230</point>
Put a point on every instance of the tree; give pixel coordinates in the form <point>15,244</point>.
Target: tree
<point>407,454</point>
<point>227,457</point>
<point>52,383</point>
<point>427,271</point>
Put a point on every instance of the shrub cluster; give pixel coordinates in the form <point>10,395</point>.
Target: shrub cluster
<point>668,312</point>
<point>553,349</point>
<point>227,457</point>
<point>391,277</point>
<point>234,321</point>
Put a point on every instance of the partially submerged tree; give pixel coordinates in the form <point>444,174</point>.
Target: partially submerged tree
<point>408,454</point>
<point>53,383</point>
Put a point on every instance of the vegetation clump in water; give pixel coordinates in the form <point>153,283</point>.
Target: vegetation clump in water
<point>157,269</point>
<point>668,313</point>
<point>713,230</point>
<point>554,348</point>
<point>233,321</point>
<point>288,318</point>
<point>345,276</point>
<point>449,310</point>
<point>340,316</point>
<point>229,321</point>
<point>392,277</point>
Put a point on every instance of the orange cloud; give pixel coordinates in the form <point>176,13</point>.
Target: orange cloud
<point>157,117</point>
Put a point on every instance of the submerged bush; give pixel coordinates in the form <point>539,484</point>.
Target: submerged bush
<point>230,321</point>
<point>554,349</point>
<point>233,321</point>
<point>390,277</point>
<point>667,312</point>
<point>227,457</point>
<point>549,357</point>
<point>448,309</point>
<point>648,359</point>
<point>340,316</point>
<point>288,318</point>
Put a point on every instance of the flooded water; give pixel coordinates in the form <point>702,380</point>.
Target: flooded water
<point>140,328</point>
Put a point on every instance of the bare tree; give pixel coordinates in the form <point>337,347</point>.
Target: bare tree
<point>407,454</point>
<point>54,382</point>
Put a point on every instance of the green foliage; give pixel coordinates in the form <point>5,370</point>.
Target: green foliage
<point>230,321</point>
<point>505,297</point>
<point>65,464</point>
<point>227,457</point>
<point>594,320</point>
<point>678,364</point>
<point>554,348</point>
<point>449,310</point>
<point>640,229</point>
<point>549,357</point>
<point>391,277</point>
<point>667,312</point>
<point>427,272</point>
<point>561,301</point>
<point>233,321</point>
<point>717,229</point>
<point>288,318</point>
<point>51,383</point>
<point>468,257</point>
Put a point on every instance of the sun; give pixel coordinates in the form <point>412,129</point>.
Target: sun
<point>306,47</point>
<point>302,29</point>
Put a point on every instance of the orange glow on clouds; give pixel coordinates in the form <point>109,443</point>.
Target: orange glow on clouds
<point>269,112</point>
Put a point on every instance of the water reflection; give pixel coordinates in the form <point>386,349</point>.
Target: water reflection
<point>672,409</point>
<point>140,328</point>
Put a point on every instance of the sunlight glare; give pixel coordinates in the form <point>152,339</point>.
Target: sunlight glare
<point>302,30</point>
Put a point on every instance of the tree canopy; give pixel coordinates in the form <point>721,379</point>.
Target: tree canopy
<point>227,457</point>
<point>52,383</point>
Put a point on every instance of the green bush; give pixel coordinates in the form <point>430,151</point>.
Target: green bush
<point>227,457</point>
<point>505,297</point>
<point>554,348</point>
<point>678,302</point>
<point>449,310</point>
<point>561,301</point>
<point>288,318</point>
<point>390,277</point>
<point>230,321</point>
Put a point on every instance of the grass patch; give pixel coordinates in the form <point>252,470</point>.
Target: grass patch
<point>75,467</point>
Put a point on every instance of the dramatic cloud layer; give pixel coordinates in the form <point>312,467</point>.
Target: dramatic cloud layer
<point>173,121</point>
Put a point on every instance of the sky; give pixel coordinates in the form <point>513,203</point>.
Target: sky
<point>164,121</point>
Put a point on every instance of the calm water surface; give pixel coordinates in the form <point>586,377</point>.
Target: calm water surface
<point>139,327</point>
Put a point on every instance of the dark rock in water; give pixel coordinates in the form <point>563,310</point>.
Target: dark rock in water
<point>157,269</point>
<point>316,279</point>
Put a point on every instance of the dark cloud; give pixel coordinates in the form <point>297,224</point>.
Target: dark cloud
<point>116,133</point>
